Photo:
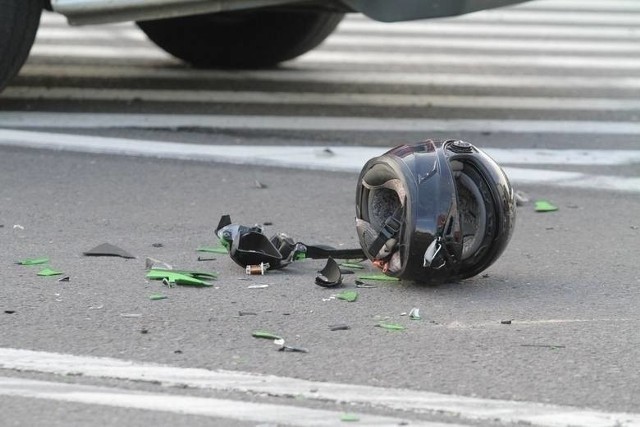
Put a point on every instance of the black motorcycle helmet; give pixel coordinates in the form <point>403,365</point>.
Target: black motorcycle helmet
<point>434,211</point>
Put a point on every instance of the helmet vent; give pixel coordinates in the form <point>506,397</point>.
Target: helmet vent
<point>473,215</point>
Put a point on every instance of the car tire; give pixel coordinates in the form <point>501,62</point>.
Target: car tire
<point>19,20</point>
<point>246,39</point>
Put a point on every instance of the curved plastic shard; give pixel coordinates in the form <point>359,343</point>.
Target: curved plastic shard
<point>330,275</point>
<point>107,249</point>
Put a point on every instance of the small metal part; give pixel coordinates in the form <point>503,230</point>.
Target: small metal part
<point>431,253</point>
<point>259,269</point>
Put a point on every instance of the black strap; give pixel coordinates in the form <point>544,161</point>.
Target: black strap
<point>389,230</point>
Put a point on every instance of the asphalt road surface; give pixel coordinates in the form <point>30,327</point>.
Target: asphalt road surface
<point>104,138</point>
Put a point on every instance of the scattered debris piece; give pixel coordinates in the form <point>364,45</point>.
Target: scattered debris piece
<point>247,313</point>
<point>33,261</point>
<point>349,296</point>
<point>64,279</point>
<point>46,272</point>
<point>144,331</point>
<point>485,275</point>
<point>545,206</point>
<point>157,297</point>
<point>381,277</point>
<point>330,275</point>
<point>201,258</point>
<point>266,335</point>
<point>414,314</point>
<point>182,277</point>
<point>522,198</point>
<point>257,286</point>
<point>327,152</point>
<point>352,265</point>
<point>215,250</point>
<point>96,307</point>
<point>157,245</point>
<point>18,227</point>
<point>9,311</point>
<point>293,349</point>
<point>130,315</point>
<point>259,269</point>
<point>339,327</point>
<point>551,346</point>
<point>107,249</point>
<point>361,284</point>
<point>151,263</point>
<point>267,223</point>
<point>391,326</point>
<point>505,322</point>
<point>260,185</point>
<point>349,418</point>
<point>177,351</point>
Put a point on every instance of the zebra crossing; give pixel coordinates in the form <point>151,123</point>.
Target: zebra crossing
<point>544,74</point>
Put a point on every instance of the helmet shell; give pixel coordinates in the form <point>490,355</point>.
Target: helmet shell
<point>454,197</point>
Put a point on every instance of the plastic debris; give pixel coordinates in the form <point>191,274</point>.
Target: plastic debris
<point>9,311</point>
<point>34,261</point>
<point>247,313</point>
<point>46,272</point>
<point>381,277</point>
<point>201,258</point>
<point>349,296</point>
<point>107,249</point>
<point>361,284</point>
<point>521,198</point>
<point>545,206</point>
<point>182,277</point>
<point>64,279</point>
<point>258,269</point>
<point>156,297</point>
<point>293,349</point>
<point>391,326</point>
<point>339,327</point>
<point>260,185</point>
<point>330,275</point>
<point>214,250</point>
<point>257,286</point>
<point>352,265</point>
<point>151,263</point>
<point>349,418</point>
<point>157,245</point>
<point>266,335</point>
<point>505,322</point>
<point>414,314</point>
<point>18,227</point>
<point>130,315</point>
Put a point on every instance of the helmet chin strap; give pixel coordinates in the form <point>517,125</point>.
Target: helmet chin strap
<point>387,237</point>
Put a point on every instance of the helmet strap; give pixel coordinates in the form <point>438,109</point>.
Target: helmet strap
<point>390,230</point>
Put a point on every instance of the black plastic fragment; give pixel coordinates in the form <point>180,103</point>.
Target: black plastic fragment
<point>339,327</point>
<point>293,349</point>
<point>330,275</point>
<point>107,249</point>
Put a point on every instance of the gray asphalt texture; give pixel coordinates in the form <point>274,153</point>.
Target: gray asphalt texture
<point>568,282</point>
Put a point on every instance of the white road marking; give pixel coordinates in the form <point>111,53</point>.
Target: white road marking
<point>315,98</point>
<point>371,58</point>
<point>188,405</point>
<point>72,37</point>
<point>346,159</point>
<point>463,408</point>
<point>36,120</point>
<point>302,74</point>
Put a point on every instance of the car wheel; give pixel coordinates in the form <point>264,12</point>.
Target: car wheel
<point>246,39</point>
<point>19,21</point>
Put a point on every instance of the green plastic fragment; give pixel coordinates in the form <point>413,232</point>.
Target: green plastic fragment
<point>215,250</point>
<point>382,277</point>
<point>545,206</point>
<point>34,261</point>
<point>265,335</point>
<point>349,418</point>
<point>350,296</point>
<point>181,277</point>
<point>299,256</point>
<point>391,326</point>
<point>352,265</point>
<point>46,272</point>
<point>156,297</point>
